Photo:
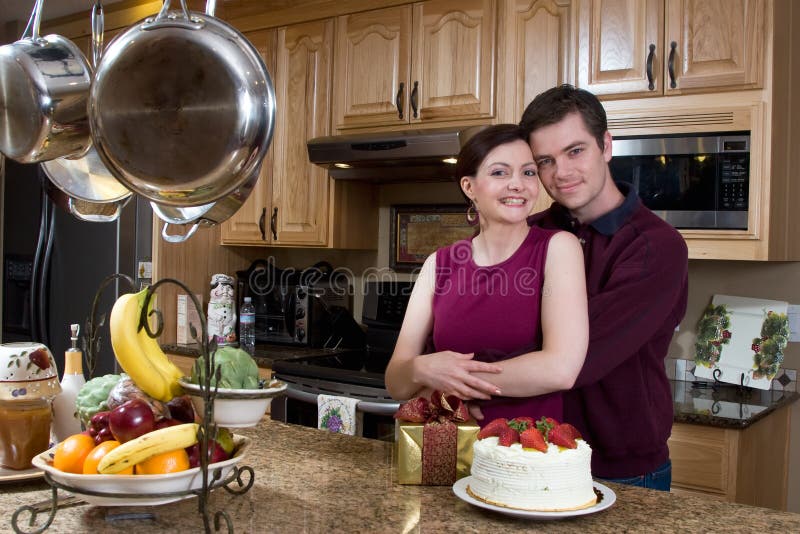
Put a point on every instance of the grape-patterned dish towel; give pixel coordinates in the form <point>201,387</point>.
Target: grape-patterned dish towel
<point>337,414</point>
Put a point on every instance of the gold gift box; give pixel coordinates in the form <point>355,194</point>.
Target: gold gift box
<point>408,445</point>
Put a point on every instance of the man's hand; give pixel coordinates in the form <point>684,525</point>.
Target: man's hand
<point>475,411</point>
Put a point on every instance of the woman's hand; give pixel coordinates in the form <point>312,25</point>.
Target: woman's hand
<point>451,373</point>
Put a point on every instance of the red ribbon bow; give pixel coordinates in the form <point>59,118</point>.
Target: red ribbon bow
<point>439,408</point>
<point>439,434</point>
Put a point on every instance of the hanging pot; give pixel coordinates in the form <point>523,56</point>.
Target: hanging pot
<point>44,86</point>
<point>205,215</point>
<point>195,121</point>
<point>85,177</point>
<point>85,210</point>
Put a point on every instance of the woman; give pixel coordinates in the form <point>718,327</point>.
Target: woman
<point>508,304</point>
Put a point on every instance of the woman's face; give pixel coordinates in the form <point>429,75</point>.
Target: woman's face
<point>506,186</point>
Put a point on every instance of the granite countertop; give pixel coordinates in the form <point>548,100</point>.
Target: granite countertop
<point>307,480</point>
<point>726,406</point>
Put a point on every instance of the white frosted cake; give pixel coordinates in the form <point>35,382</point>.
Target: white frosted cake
<point>556,479</point>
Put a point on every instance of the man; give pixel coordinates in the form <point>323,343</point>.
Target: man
<point>636,278</point>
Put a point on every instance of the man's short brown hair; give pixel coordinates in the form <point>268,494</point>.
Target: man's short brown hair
<point>554,104</point>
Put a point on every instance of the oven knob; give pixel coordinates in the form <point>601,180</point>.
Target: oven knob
<point>301,294</point>
<point>300,313</point>
<point>301,334</point>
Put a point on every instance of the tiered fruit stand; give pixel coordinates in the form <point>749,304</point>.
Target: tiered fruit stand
<point>212,478</point>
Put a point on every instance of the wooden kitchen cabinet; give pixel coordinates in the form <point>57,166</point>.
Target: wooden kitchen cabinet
<point>747,466</point>
<point>534,54</point>
<point>641,48</point>
<point>295,203</point>
<point>423,63</point>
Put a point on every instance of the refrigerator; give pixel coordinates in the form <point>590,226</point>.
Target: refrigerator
<point>53,264</point>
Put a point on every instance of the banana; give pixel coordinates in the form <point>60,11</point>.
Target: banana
<point>134,361</point>
<point>146,446</point>
<point>158,359</point>
<point>138,354</point>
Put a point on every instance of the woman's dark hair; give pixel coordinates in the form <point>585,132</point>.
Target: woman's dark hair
<point>479,145</point>
<point>554,104</point>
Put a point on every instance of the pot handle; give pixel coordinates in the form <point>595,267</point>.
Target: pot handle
<point>177,238</point>
<point>98,28</point>
<point>94,217</point>
<point>211,7</point>
<point>34,22</point>
<point>163,20</point>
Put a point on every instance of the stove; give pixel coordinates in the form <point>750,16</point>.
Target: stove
<point>355,373</point>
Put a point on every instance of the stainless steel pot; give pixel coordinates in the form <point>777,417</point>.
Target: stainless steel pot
<point>85,178</point>
<point>44,86</point>
<point>83,209</point>
<point>205,215</point>
<point>195,121</point>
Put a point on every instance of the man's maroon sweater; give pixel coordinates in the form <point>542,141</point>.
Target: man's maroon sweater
<point>636,278</point>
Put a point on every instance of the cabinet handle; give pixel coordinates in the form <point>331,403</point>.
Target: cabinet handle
<point>671,65</point>
<point>261,223</point>
<point>398,100</point>
<point>414,94</point>
<point>273,223</point>
<point>650,56</point>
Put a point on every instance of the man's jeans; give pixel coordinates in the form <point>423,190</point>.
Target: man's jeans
<point>660,479</point>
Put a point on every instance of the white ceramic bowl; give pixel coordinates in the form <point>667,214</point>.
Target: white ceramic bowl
<point>144,486</point>
<point>235,408</point>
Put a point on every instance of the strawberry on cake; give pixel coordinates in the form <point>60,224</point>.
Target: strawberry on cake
<point>532,465</point>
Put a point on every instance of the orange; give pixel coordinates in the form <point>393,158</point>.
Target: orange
<point>167,462</point>
<point>91,461</point>
<point>71,453</point>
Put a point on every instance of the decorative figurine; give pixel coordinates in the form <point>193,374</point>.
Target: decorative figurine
<point>222,310</point>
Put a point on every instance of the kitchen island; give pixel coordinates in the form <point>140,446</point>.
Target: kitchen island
<point>307,480</point>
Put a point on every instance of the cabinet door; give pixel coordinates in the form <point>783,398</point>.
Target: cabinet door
<point>248,225</point>
<point>620,50</point>
<point>453,58</point>
<point>299,213</point>
<point>373,57</point>
<point>714,44</point>
<point>534,43</point>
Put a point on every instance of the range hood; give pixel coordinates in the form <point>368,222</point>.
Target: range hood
<point>405,156</point>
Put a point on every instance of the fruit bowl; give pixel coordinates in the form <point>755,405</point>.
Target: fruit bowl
<point>138,490</point>
<point>235,408</point>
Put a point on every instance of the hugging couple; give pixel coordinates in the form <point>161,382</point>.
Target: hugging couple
<point>584,339</point>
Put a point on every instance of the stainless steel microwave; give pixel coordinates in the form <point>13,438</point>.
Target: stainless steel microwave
<point>691,181</point>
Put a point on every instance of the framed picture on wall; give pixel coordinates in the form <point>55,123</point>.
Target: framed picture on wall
<point>418,230</point>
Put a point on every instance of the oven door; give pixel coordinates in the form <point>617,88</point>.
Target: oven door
<point>299,405</point>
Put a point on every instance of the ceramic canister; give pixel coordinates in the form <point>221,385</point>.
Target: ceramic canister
<point>28,384</point>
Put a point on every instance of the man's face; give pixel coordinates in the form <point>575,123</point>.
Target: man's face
<point>572,168</point>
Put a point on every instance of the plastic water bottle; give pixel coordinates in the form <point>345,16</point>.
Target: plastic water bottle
<point>247,326</point>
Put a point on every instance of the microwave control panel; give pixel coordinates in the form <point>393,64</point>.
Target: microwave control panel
<point>733,181</point>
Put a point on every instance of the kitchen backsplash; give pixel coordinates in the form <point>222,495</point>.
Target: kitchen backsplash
<point>678,369</point>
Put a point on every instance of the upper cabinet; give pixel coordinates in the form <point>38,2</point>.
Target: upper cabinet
<point>640,48</point>
<point>295,203</point>
<point>534,54</point>
<point>423,63</point>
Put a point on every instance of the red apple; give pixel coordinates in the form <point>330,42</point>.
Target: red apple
<point>181,408</point>
<point>164,422</point>
<point>131,420</point>
<point>215,454</point>
<point>104,434</point>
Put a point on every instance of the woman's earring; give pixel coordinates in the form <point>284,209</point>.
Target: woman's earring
<point>472,213</point>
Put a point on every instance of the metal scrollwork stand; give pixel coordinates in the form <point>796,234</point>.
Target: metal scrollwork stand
<point>206,434</point>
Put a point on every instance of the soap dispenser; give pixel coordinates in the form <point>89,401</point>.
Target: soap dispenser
<point>65,417</point>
